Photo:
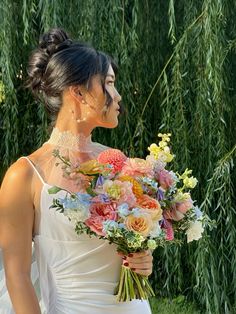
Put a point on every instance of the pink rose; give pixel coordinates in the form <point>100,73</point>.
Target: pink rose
<point>168,228</point>
<point>184,206</point>
<point>99,213</point>
<point>165,179</point>
<point>173,214</point>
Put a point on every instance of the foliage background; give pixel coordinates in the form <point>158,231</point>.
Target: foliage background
<point>176,73</point>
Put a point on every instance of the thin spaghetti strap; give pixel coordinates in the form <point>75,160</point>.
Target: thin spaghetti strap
<point>41,179</point>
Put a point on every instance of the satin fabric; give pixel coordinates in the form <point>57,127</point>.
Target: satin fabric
<point>78,274</point>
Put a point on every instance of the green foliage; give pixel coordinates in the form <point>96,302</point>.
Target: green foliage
<point>178,305</point>
<point>177,72</point>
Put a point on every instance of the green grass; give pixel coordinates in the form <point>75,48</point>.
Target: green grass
<point>178,305</point>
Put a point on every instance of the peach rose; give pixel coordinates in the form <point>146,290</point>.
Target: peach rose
<point>151,206</point>
<point>136,167</point>
<point>141,223</point>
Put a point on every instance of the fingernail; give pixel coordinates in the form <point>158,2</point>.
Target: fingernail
<point>124,257</point>
<point>126,264</point>
<point>130,255</point>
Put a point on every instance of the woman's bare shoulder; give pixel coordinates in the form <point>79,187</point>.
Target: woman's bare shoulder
<point>21,171</point>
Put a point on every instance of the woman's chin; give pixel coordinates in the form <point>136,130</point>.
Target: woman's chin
<point>110,124</point>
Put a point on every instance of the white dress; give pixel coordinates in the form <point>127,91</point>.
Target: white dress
<point>77,274</point>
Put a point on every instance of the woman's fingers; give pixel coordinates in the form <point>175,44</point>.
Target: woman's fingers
<point>142,259</point>
<point>144,272</point>
<point>140,262</point>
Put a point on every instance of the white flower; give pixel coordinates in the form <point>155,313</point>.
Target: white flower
<point>195,231</point>
<point>156,231</point>
<point>77,216</point>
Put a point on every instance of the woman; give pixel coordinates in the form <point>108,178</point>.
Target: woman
<point>77,274</point>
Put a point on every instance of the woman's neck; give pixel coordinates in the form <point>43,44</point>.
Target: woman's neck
<point>65,122</point>
<point>71,141</point>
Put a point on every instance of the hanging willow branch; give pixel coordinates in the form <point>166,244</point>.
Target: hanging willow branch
<point>177,73</point>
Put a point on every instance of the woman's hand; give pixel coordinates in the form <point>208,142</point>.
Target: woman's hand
<point>140,262</point>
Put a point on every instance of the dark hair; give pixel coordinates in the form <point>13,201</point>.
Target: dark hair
<point>59,62</point>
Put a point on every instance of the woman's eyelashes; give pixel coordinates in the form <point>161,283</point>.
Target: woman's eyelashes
<point>111,83</point>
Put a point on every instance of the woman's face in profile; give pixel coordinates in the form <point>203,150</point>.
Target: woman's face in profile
<point>104,116</point>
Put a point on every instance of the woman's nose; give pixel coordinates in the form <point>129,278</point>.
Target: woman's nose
<point>117,97</point>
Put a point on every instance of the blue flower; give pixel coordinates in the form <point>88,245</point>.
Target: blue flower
<point>160,194</point>
<point>84,198</point>
<point>100,181</point>
<point>136,212</point>
<point>110,227</point>
<point>198,212</point>
<point>123,210</point>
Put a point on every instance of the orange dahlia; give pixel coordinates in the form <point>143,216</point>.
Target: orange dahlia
<point>137,188</point>
<point>114,157</point>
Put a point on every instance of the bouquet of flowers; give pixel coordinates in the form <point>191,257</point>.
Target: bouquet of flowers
<point>135,203</point>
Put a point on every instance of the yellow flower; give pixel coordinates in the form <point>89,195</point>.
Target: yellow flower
<point>136,188</point>
<point>186,173</point>
<point>155,150</point>
<point>190,182</point>
<point>182,197</point>
<point>165,137</point>
<point>90,167</point>
<point>168,157</point>
<point>162,150</point>
<point>114,191</point>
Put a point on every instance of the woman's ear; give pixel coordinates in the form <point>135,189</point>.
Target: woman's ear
<point>75,92</point>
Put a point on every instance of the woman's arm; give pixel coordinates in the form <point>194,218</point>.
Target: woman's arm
<point>16,227</point>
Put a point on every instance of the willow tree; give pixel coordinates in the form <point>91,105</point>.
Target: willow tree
<point>176,73</point>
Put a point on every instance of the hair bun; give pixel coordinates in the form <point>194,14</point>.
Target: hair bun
<point>54,40</point>
<point>51,42</point>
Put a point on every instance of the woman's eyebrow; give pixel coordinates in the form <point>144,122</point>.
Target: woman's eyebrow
<point>111,75</point>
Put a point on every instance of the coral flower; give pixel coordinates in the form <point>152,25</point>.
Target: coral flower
<point>114,157</point>
<point>151,205</point>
